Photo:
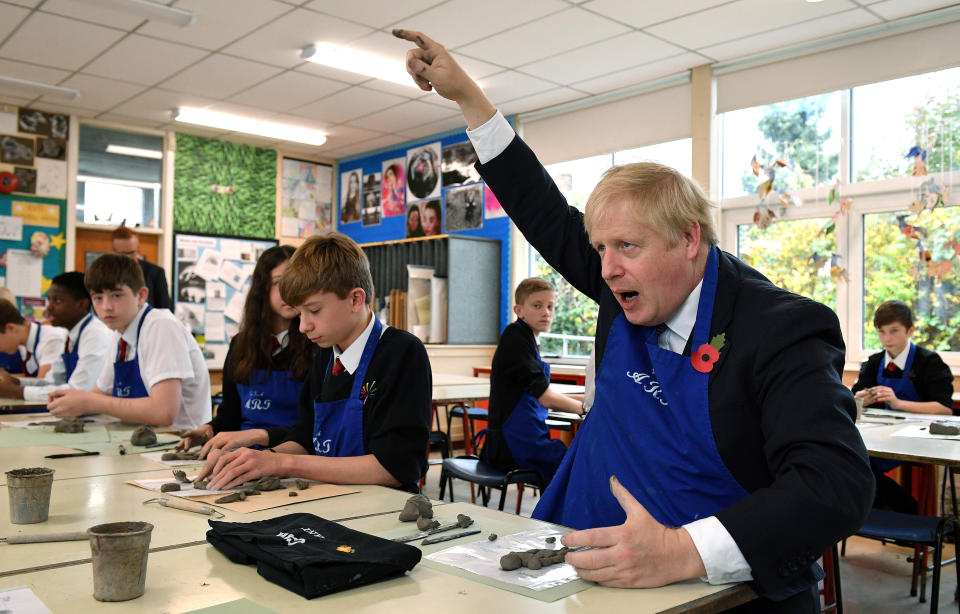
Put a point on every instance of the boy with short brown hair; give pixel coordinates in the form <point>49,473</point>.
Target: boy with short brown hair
<point>29,348</point>
<point>365,406</point>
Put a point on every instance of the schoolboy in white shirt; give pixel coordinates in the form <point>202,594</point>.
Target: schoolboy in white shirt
<point>159,375</point>
<point>36,345</point>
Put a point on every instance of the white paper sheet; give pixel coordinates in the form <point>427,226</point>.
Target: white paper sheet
<point>216,295</point>
<point>921,431</point>
<point>51,178</point>
<point>8,123</point>
<point>24,272</point>
<point>208,267</point>
<point>20,599</point>
<point>11,228</point>
<point>158,457</point>
<point>232,274</point>
<point>213,329</point>
<point>234,309</point>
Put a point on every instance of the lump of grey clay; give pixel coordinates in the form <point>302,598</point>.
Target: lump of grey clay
<point>170,487</point>
<point>292,493</point>
<point>302,484</point>
<point>68,425</point>
<point>251,492</point>
<point>267,482</point>
<point>464,521</point>
<point>184,455</point>
<point>425,524</point>
<point>415,507</point>
<point>410,512</point>
<point>510,561</point>
<point>942,427</point>
<point>201,484</point>
<point>533,559</point>
<point>551,540</point>
<point>231,498</point>
<point>181,476</point>
<point>492,537</point>
<point>143,436</point>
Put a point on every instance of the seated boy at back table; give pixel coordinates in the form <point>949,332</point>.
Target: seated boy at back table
<point>156,373</point>
<point>365,405</point>
<point>520,393</point>
<point>28,348</point>
<point>85,350</point>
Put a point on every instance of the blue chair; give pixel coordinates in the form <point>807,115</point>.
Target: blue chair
<point>475,471</point>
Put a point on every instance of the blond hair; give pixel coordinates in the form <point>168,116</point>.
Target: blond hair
<point>659,197</point>
<point>529,286</point>
<point>326,263</point>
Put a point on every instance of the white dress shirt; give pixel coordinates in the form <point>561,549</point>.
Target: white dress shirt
<point>350,357</point>
<point>48,348</point>
<point>167,351</point>
<point>900,359</point>
<point>94,350</point>
<point>719,552</point>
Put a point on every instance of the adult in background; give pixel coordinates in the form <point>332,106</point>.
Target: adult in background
<point>721,442</point>
<point>124,241</point>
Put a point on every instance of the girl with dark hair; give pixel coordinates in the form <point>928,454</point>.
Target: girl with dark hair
<point>414,228</point>
<point>264,368</point>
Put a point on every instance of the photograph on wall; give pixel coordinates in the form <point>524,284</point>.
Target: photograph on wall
<point>458,161</point>
<point>431,218</point>
<point>59,126</point>
<point>191,315</point>
<point>464,207</point>
<point>491,206</point>
<point>192,287</point>
<point>306,198</point>
<point>16,150</point>
<point>423,172</point>
<point>371,199</point>
<point>393,193</point>
<point>53,148</point>
<point>33,121</point>
<point>26,180</point>
<point>350,196</point>
<point>414,226</point>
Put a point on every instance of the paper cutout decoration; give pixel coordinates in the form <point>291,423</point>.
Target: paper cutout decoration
<point>919,155</point>
<point>40,244</point>
<point>763,217</point>
<point>909,230</point>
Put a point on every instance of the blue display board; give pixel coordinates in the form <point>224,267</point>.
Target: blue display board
<point>34,252</point>
<point>374,203</point>
<point>211,277</point>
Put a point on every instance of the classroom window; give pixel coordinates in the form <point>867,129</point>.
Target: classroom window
<point>891,117</point>
<point>804,133</point>
<point>793,254</point>
<point>119,175</point>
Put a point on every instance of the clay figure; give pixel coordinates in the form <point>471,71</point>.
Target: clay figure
<point>943,427</point>
<point>551,540</point>
<point>232,497</point>
<point>410,512</point>
<point>492,537</point>
<point>302,484</point>
<point>292,493</point>
<point>268,482</point>
<point>533,559</point>
<point>170,487</point>
<point>181,476</point>
<point>251,492</point>
<point>425,524</point>
<point>179,456</point>
<point>201,484</point>
<point>68,425</point>
<point>464,521</point>
<point>143,436</point>
<point>510,561</point>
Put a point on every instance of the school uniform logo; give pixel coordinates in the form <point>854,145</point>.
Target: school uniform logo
<point>291,539</point>
<point>369,389</point>
<point>257,402</point>
<point>321,446</point>
<point>123,391</point>
<point>649,385</point>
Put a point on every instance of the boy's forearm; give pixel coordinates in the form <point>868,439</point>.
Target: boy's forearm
<point>160,407</point>
<point>924,407</point>
<point>336,470</point>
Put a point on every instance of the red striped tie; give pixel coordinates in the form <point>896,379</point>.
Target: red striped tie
<point>337,367</point>
<point>122,351</point>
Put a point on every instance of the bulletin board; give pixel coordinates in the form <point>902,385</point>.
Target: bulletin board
<point>32,243</point>
<point>211,278</point>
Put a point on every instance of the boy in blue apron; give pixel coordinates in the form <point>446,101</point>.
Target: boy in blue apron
<point>518,436</point>
<point>906,378</point>
<point>84,350</point>
<point>264,368</point>
<point>36,345</point>
<point>364,410</point>
<point>719,420</point>
<point>155,372</point>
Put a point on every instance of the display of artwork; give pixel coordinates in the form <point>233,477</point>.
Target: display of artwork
<point>32,242</point>
<point>423,172</point>
<point>305,199</point>
<point>393,187</point>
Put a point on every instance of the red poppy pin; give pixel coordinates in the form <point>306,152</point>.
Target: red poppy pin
<point>704,357</point>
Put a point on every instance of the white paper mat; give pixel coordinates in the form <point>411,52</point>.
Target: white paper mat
<point>920,430</point>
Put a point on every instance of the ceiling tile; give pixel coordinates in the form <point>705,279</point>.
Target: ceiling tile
<point>348,104</point>
<point>641,74</point>
<point>251,140</point>
<point>58,42</point>
<point>542,100</point>
<point>607,56</point>
<point>120,118</point>
<point>10,18</point>
<point>140,59</point>
<point>219,22</point>
<point>17,101</point>
<point>90,12</point>
<point>31,72</point>
<point>431,128</point>
<point>68,108</point>
<point>156,104</point>
<point>98,93</point>
<point>782,37</point>
<point>29,3</point>
<point>642,14</point>
<point>377,13</point>
<point>742,18</point>
<point>509,85</point>
<point>280,41</point>
<point>544,37</point>
<point>287,91</point>
<point>476,68</point>
<point>459,22</point>
<point>395,119</point>
<point>219,76</point>
<point>895,9</point>
<point>343,136</point>
<point>331,73</point>
<point>372,145</point>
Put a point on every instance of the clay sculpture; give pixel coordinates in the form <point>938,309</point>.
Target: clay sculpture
<point>415,507</point>
<point>143,436</point>
<point>201,484</point>
<point>551,540</point>
<point>292,493</point>
<point>68,425</point>
<point>179,456</point>
<point>533,559</point>
<point>181,476</point>
<point>943,427</point>
<point>425,524</point>
<point>302,484</point>
<point>267,482</point>
<point>170,487</point>
<point>232,497</point>
<point>492,537</point>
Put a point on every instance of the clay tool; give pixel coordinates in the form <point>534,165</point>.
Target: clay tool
<point>187,506</point>
<point>74,536</point>
<point>160,443</point>
<point>72,454</point>
<point>444,538</point>
<point>462,523</point>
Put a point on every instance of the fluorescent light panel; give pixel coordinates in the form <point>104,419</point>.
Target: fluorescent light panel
<point>139,152</point>
<point>237,123</point>
<point>38,88</point>
<point>356,61</point>
<point>153,11</point>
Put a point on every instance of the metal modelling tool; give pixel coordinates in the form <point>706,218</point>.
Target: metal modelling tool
<point>74,536</point>
<point>187,506</point>
<point>72,454</point>
<point>440,529</point>
<point>444,538</point>
<point>161,443</point>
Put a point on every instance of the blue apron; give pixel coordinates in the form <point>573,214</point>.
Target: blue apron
<point>338,425</point>
<point>127,382</point>
<point>70,358</point>
<point>650,426</point>
<point>33,356</point>
<point>902,387</point>
<point>528,437</point>
<point>270,401</point>
<point>11,363</point>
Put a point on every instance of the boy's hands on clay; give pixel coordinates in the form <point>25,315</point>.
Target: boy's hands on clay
<point>70,403</point>
<point>229,440</point>
<point>640,553</point>
<point>195,437</point>
<point>229,469</point>
<point>885,394</point>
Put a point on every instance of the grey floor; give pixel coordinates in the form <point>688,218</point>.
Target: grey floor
<point>875,578</point>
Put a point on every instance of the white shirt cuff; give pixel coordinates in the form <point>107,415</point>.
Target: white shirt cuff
<point>720,555</point>
<point>35,394</point>
<point>490,139</point>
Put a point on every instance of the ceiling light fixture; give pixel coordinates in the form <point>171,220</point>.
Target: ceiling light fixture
<point>38,88</point>
<point>138,152</point>
<point>237,123</point>
<point>153,11</point>
<point>356,61</point>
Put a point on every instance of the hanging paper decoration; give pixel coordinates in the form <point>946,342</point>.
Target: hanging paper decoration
<point>919,155</point>
<point>837,273</point>
<point>764,215</point>
<point>909,230</point>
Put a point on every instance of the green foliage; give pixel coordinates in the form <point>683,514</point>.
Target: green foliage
<point>249,211</point>
<point>795,131</point>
